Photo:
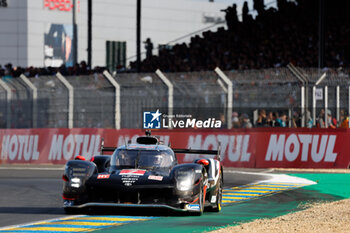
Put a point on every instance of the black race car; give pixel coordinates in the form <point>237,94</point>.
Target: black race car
<point>145,174</point>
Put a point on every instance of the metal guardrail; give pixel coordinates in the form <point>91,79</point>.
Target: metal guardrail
<point>97,101</point>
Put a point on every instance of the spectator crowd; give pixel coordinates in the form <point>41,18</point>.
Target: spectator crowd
<point>281,119</point>
<point>8,70</point>
<point>274,38</point>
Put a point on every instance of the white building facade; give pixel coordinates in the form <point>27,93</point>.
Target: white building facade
<point>39,32</point>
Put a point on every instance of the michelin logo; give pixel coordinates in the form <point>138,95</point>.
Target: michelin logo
<point>151,120</point>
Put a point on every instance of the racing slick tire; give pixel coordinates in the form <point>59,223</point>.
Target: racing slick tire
<point>218,204</point>
<point>201,200</point>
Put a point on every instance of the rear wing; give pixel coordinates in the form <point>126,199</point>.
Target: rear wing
<point>106,149</point>
<point>176,151</point>
<point>203,152</point>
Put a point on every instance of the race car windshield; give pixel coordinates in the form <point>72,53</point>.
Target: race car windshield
<point>148,159</point>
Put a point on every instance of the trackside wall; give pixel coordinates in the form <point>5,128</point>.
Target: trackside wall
<point>255,148</point>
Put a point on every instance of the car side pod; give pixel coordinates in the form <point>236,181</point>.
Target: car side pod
<point>76,173</point>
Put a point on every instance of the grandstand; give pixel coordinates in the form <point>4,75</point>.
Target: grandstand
<point>274,38</point>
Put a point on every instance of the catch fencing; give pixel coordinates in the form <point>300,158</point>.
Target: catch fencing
<point>94,101</point>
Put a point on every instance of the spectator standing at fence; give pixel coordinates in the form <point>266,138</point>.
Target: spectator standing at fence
<point>320,120</point>
<point>246,124</point>
<point>345,123</point>
<point>223,121</point>
<point>269,119</point>
<point>262,119</point>
<point>275,117</point>
<point>332,122</point>
<point>235,121</point>
<point>310,122</point>
<point>342,117</point>
<point>282,120</point>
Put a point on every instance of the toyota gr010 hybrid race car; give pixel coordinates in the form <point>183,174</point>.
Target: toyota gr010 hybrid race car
<point>145,174</point>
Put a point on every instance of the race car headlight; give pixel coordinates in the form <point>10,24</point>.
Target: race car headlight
<point>184,180</point>
<point>75,182</point>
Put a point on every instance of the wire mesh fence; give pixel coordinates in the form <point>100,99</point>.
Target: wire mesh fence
<point>275,90</point>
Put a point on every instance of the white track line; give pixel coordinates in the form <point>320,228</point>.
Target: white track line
<point>275,178</point>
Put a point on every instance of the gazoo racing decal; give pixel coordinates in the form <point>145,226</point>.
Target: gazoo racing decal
<point>318,147</point>
<point>135,172</point>
<point>159,178</point>
<point>129,180</point>
<point>103,176</point>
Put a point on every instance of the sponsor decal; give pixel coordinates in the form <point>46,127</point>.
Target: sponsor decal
<point>305,146</point>
<point>135,172</point>
<point>61,5</point>
<point>193,207</point>
<point>159,178</point>
<point>20,147</point>
<point>103,176</point>
<point>234,147</point>
<point>71,145</point>
<point>213,199</point>
<point>313,148</point>
<point>198,171</point>
<point>76,171</point>
<point>129,180</point>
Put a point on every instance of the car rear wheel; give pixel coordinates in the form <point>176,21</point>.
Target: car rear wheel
<point>217,207</point>
<point>201,200</point>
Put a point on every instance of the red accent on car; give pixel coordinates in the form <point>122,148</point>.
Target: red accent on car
<point>79,157</point>
<point>204,193</point>
<point>65,178</point>
<point>195,200</point>
<point>68,198</point>
<point>203,161</point>
<point>92,159</point>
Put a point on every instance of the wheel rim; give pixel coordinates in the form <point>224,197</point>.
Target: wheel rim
<point>201,200</point>
<point>219,198</point>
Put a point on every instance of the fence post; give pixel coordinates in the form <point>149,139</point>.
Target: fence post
<point>323,76</point>
<point>229,95</point>
<point>8,104</point>
<point>170,92</point>
<point>314,105</point>
<point>70,98</point>
<point>326,106</point>
<point>35,98</point>
<point>338,103</point>
<point>302,106</point>
<point>117,98</point>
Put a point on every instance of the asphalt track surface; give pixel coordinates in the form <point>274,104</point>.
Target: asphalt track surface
<point>34,194</point>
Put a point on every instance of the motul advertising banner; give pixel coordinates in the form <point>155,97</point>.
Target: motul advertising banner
<point>255,148</point>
